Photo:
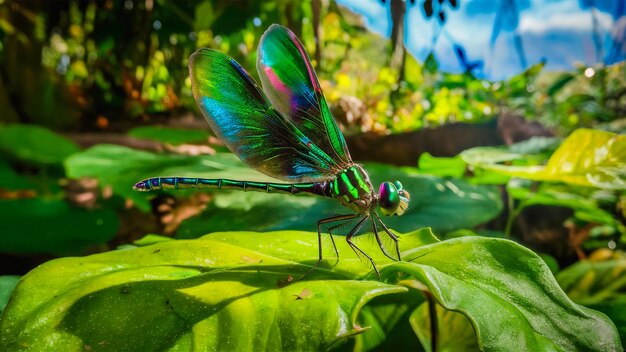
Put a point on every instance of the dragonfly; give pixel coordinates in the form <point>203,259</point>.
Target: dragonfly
<point>286,131</point>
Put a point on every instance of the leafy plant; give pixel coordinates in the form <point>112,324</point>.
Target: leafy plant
<point>34,144</point>
<point>585,158</point>
<point>35,216</point>
<point>599,285</point>
<point>182,293</point>
<point>585,173</point>
<point>59,227</point>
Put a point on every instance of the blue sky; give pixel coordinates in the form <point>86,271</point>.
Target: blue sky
<point>557,31</point>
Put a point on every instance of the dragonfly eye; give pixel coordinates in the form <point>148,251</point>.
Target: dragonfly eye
<point>392,198</point>
<point>388,198</point>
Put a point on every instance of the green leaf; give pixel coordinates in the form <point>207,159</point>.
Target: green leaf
<point>121,167</point>
<point>174,136</point>
<point>151,239</point>
<point>7,284</point>
<point>561,82</point>
<point>34,144</point>
<point>551,262</point>
<point>506,290</point>
<point>387,319</point>
<point>11,180</point>
<point>600,286</point>
<point>536,145</point>
<point>455,330</point>
<point>171,294</point>
<point>614,308</point>
<point>587,158</point>
<point>590,157</point>
<point>585,208</point>
<point>442,167</point>
<point>430,64</point>
<point>38,225</point>
<point>226,291</point>
<point>592,282</point>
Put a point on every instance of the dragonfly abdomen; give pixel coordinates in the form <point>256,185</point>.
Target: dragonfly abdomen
<point>156,183</point>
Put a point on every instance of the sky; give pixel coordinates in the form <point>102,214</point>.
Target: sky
<point>500,38</point>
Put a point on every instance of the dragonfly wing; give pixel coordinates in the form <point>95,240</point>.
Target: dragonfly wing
<point>291,84</point>
<point>241,117</point>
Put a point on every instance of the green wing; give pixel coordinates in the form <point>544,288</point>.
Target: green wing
<point>241,117</point>
<point>291,84</point>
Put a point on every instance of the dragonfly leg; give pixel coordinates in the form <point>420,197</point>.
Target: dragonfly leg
<point>332,228</point>
<point>319,237</point>
<point>391,234</point>
<point>355,248</point>
<point>380,243</point>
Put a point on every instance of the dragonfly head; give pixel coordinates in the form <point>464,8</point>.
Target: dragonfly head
<point>393,199</point>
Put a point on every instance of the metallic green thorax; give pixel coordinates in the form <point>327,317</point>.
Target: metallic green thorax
<point>353,189</point>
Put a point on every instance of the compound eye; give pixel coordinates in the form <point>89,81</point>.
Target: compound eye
<point>389,198</point>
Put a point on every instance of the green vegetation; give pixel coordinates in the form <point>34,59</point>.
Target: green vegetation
<point>511,247</point>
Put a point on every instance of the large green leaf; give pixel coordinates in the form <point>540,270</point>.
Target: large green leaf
<point>587,158</point>
<point>39,225</point>
<point>505,290</point>
<point>226,291</point>
<point>175,294</point>
<point>35,144</point>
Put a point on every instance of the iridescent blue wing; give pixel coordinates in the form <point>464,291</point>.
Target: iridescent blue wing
<point>241,117</point>
<point>291,85</point>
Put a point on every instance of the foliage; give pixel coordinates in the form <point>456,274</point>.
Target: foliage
<point>110,65</point>
<point>174,136</point>
<point>34,144</point>
<point>599,285</point>
<point>62,306</point>
<point>35,216</point>
<point>60,228</point>
<point>93,69</point>
<point>585,161</point>
<point>447,204</point>
<point>585,158</point>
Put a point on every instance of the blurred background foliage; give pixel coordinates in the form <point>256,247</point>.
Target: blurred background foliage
<point>85,65</point>
<point>95,95</point>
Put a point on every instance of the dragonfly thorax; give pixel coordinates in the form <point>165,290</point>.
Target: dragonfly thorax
<point>353,189</point>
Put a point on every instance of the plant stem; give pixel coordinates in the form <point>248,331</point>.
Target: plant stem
<point>434,322</point>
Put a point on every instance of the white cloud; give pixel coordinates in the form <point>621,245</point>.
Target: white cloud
<point>579,22</point>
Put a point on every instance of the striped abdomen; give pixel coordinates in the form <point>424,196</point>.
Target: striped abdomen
<point>155,183</point>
